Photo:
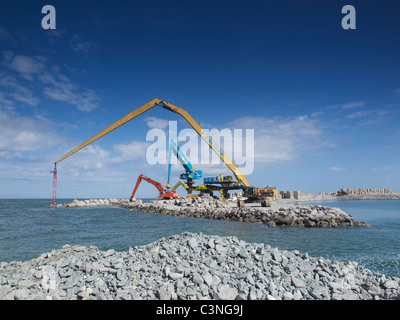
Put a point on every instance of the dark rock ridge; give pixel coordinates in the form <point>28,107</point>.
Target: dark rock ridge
<point>209,208</point>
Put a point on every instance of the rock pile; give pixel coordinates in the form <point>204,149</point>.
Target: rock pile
<point>221,209</point>
<point>209,208</point>
<point>191,266</point>
<point>96,202</point>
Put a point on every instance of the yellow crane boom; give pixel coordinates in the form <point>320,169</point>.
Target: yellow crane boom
<point>169,106</point>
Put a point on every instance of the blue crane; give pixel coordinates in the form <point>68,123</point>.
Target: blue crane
<point>190,173</point>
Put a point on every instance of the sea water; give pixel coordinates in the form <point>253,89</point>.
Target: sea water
<point>28,228</point>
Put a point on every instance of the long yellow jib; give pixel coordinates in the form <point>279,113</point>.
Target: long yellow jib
<point>115,125</point>
<point>236,171</point>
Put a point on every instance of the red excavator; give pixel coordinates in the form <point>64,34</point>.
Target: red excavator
<point>163,193</point>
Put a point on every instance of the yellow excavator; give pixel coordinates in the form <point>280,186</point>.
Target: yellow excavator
<point>202,188</point>
<point>252,194</point>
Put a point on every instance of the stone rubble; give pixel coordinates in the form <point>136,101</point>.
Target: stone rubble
<point>210,208</point>
<point>95,202</point>
<point>221,209</point>
<point>191,266</point>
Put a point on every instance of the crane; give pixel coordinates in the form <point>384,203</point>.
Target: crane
<point>163,194</point>
<point>203,188</point>
<point>168,106</point>
<point>252,193</point>
<point>190,173</point>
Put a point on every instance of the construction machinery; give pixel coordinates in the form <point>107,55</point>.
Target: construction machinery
<point>251,193</point>
<point>261,195</point>
<point>162,192</point>
<point>178,184</point>
<point>54,197</point>
<point>224,183</point>
<point>342,192</point>
<point>190,174</point>
<point>203,189</point>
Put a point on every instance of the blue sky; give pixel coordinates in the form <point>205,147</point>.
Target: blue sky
<point>323,101</point>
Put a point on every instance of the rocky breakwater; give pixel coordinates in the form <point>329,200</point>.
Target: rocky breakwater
<point>96,202</point>
<point>210,208</point>
<point>390,196</point>
<point>191,266</point>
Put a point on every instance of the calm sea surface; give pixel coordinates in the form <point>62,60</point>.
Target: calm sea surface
<point>29,228</point>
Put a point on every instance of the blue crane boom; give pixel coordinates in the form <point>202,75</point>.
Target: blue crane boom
<point>190,173</point>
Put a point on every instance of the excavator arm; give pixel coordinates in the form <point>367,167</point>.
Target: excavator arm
<point>114,126</point>
<point>217,149</point>
<point>166,105</point>
<point>179,183</point>
<point>158,185</point>
<point>190,173</point>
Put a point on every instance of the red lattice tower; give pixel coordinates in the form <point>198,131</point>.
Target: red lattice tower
<point>54,199</point>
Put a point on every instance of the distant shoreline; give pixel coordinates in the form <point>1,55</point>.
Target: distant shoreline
<point>391,196</point>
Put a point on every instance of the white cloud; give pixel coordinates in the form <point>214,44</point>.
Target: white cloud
<point>57,86</point>
<point>26,145</point>
<point>18,92</point>
<point>132,151</point>
<point>153,122</point>
<point>317,114</point>
<point>352,105</point>
<point>81,46</point>
<point>19,133</point>
<point>336,169</point>
<point>383,169</point>
<point>26,66</point>
<point>90,157</point>
<point>86,100</point>
<point>94,157</point>
<point>60,88</point>
<point>4,102</point>
<point>281,139</point>
<point>377,117</point>
<point>359,114</point>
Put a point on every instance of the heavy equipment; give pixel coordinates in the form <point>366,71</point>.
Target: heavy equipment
<point>342,192</point>
<point>203,189</point>
<point>190,174</point>
<point>162,192</point>
<point>251,193</point>
<point>224,183</point>
<point>261,195</point>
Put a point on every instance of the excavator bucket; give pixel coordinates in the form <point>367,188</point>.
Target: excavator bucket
<point>162,192</point>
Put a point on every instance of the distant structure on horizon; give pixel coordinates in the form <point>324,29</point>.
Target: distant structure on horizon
<point>342,192</point>
<point>298,195</point>
<point>346,191</point>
